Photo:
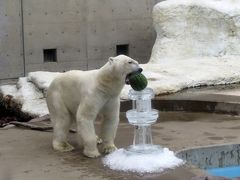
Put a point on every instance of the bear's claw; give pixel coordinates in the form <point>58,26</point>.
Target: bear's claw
<point>99,140</point>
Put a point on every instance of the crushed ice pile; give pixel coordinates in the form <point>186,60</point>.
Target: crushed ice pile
<point>142,163</point>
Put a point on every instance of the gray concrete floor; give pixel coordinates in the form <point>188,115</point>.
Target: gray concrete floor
<point>28,155</point>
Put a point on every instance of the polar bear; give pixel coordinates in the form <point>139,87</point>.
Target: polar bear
<point>80,96</point>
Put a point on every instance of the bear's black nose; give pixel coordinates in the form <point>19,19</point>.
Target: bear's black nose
<point>140,70</point>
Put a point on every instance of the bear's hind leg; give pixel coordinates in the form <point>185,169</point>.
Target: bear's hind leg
<point>61,145</point>
<point>85,126</point>
<point>60,132</point>
<point>61,121</point>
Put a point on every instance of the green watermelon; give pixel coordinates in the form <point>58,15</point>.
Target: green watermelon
<point>138,81</point>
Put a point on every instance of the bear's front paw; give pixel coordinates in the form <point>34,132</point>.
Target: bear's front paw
<point>91,154</point>
<point>106,149</point>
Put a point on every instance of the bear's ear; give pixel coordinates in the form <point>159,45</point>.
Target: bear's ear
<point>111,60</point>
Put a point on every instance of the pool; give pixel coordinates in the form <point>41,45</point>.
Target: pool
<point>216,160</point>
<point>228,172</point>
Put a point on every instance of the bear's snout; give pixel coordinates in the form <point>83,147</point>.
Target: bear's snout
<point>140,70</point>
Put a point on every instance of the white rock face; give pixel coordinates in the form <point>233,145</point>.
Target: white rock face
<point>198,43</point>
<point>193,28</point>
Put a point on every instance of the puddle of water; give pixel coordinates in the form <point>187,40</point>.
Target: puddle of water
<point>228,172</point>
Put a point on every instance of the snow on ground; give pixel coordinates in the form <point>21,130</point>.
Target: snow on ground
<point>32,98</point>
<point>27,94</point>
<point>142,163</point>
<point>9,90</point>
<point>42,79</point>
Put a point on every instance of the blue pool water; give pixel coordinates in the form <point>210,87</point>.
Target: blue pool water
<point>229,172</point>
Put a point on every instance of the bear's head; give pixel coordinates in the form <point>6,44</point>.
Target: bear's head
<point>124,66</point>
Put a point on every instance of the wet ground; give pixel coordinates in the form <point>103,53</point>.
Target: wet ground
<point>27,154</point>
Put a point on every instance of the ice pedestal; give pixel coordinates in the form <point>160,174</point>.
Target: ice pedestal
<point>142,156</point>
<point>142,116</point>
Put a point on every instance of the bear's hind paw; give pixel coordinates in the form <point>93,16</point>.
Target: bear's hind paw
<point>62,146</point>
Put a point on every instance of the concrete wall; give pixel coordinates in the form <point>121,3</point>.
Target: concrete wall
<point>112,22</point>
<point>84,32</point>
<point>61,25</point>
<point>11,49</point>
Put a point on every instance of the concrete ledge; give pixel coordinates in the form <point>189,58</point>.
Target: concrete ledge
<point>190,106</point>
<point>209,100</point>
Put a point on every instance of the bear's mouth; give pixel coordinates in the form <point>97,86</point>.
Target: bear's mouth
<point>127,81</point>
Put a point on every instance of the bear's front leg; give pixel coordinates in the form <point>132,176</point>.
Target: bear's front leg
<point>109,126</point>
<point>85,126</point>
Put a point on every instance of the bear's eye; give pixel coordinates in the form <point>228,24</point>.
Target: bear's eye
<point>130,62</point>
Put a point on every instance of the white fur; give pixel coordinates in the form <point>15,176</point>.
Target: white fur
<point>83,95</point>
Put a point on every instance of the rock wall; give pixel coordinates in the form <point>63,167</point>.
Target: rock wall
<point>193,28</point>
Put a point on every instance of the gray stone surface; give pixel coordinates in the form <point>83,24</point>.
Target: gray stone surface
<point>27,154</point>
<point>11,49</point>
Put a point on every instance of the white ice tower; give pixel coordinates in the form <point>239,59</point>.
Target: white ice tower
<point>142,116</point>
<point>143,156</point>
